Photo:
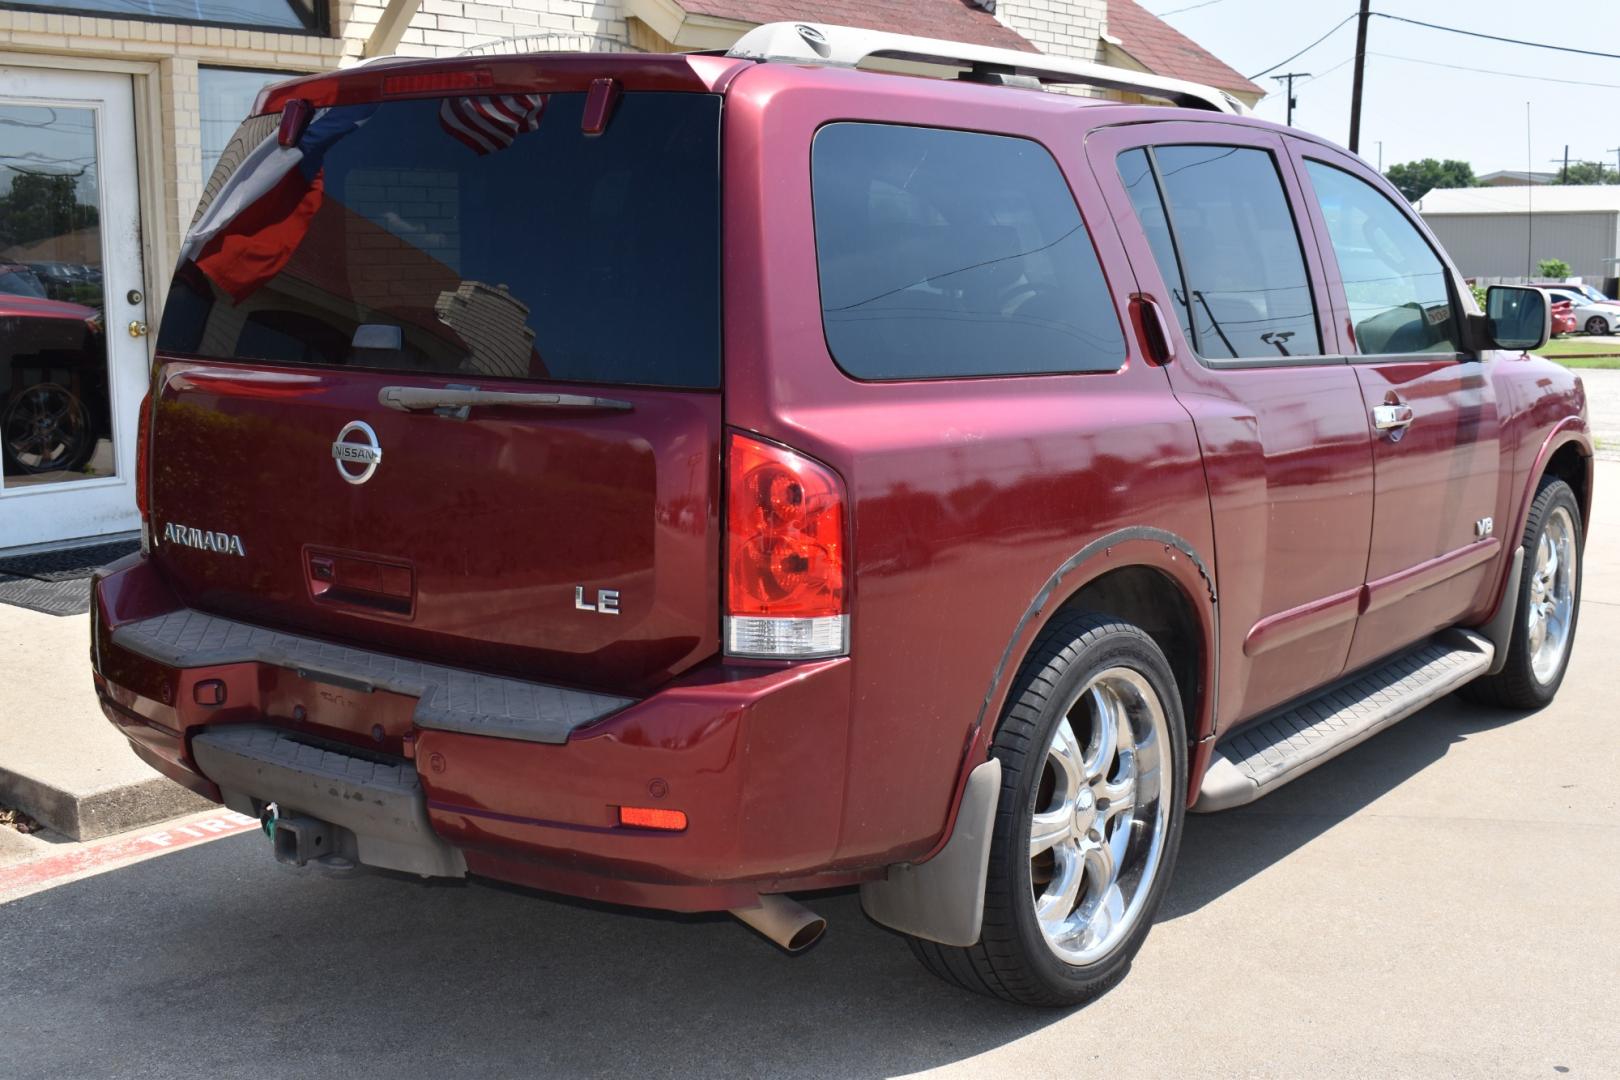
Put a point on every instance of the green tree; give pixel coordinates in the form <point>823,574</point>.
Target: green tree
<point>1553,268</point>
<point>1416,179</point>
<point>42,205</point>
<point>1588,172</point>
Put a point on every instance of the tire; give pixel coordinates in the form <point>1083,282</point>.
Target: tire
<point>1596,325</point>
<point>1076,666</point>
<point>1531,677</point>
<point>64,444</point>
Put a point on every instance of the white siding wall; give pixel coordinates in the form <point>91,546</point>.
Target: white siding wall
<point>1499,245</point>
<point>1072,28</point>
<point>445,27</point>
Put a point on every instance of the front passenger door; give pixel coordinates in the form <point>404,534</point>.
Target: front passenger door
<point>1431,408</point>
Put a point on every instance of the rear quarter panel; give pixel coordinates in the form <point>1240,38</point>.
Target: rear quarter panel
<point>968,496</point>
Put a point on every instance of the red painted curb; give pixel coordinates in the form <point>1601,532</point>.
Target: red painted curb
<point>109,854</point>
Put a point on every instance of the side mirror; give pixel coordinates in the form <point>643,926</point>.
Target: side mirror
<point>1517,317</point>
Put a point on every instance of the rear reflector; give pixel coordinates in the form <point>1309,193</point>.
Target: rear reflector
<point>651,817</point>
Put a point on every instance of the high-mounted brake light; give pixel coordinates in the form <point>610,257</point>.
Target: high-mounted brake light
<point>437,82</point>
<point>143,482</point>
<point>786,593</point>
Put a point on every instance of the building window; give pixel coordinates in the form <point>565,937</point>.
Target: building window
<point>227,96</point>
<point>293,15</point>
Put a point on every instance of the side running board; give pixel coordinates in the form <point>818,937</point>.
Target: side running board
<point>1263,756</point>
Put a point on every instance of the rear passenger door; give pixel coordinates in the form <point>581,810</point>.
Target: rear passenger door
<point>1430,404</point>
<point>1208,214</point>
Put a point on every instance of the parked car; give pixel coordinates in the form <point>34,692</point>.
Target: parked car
<point>1595,314</point>
<point>53,378</point>
<point>682,481</point>
<point>1563,316</point>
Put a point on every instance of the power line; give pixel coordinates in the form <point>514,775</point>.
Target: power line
<point>1305,50</point>
<point>1481,71</point>
<point>1189,7</point>
<point>1491,37</point>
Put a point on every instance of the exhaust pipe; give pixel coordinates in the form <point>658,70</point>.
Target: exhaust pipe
<point>787,922</point>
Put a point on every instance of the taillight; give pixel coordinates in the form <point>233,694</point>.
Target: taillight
<point>143,482</point>
<point>785,541</point>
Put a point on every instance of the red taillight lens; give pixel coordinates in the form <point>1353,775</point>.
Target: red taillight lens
<point>785,545</point>
<point>143,450</point>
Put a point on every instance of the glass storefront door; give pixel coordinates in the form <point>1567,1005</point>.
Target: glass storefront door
<point>73,351</point>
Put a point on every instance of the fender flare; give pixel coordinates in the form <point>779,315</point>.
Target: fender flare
<point>940,897</point>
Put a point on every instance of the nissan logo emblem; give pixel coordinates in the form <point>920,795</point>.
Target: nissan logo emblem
<point>364,452</point>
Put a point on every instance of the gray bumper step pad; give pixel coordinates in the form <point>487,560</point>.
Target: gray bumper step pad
<point>449,699</point>
<point>1263,756</point>
<point>380,805</point>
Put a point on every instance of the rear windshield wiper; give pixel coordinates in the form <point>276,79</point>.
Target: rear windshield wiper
<point>455,401</point>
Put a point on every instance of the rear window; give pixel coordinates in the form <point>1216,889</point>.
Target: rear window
<point>486,237</point>
<point>951,253</point>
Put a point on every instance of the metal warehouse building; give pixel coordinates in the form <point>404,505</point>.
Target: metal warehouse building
<point>1505,231</point>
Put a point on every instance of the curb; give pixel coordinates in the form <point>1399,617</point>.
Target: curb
<point>95,814</point>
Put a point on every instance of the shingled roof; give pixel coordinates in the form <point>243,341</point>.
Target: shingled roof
<point>949,19</point>
<point>1163,50</point>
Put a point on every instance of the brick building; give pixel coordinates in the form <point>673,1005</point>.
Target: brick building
<point>112,122</point>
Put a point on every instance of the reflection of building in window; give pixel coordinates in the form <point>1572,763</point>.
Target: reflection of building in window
<point>493,323</point>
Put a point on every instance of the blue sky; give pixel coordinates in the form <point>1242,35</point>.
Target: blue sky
<point>1473,110</point>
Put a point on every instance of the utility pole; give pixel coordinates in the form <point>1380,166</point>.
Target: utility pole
<point>1616,152</point>
<point>1563,177</point>
<point>1361,71</point>
<point>1289,78</point>
<point>1380,156</point>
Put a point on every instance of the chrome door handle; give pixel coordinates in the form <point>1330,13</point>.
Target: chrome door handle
<point>1392,417</point>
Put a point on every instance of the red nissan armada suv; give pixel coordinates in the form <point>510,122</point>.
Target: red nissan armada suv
<point>682,481</point>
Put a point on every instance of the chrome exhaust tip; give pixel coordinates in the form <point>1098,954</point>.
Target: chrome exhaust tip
<point>787,922</point>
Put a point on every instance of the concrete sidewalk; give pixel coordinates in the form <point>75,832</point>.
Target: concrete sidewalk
<point>60,760</point>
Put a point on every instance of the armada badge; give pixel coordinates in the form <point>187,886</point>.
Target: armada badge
<point>220,542</point>
<point>365,451</point>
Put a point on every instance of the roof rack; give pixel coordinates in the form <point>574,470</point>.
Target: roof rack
<point>847,46</point>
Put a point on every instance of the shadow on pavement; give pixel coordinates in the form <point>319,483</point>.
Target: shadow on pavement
<point>217,961</point>
<point>1221,851</point>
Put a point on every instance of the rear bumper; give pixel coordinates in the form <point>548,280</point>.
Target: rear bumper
<point>753,754</point>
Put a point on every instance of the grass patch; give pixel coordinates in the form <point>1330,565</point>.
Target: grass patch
<point>1575,353</point>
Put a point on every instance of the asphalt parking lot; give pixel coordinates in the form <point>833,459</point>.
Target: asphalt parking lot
<point>1443,901</point>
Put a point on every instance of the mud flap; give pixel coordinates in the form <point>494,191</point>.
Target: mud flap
<point>943,899</point>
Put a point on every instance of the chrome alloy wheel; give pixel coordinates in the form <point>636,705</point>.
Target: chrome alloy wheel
<point>1101,811</point>
<point>1552,595</point>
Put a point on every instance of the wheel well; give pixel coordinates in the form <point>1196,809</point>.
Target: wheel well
<point>1574,468</point>
<point>1149,599</point>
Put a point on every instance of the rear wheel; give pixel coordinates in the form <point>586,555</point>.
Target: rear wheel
<point>46,428</point>
<point>1596,325</point>
<point>1094,765</point>
<point>1548,605</point>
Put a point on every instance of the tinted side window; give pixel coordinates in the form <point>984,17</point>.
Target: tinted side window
<point>1394,282</point>
<point>1136,170</point>
<point>1242,272</point>
<point>948,253</point>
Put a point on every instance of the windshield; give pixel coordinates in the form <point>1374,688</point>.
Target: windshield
<point>483,236</point>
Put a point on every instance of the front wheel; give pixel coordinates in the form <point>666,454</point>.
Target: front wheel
<point>1093,785</point>
<point>1548,605</point>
